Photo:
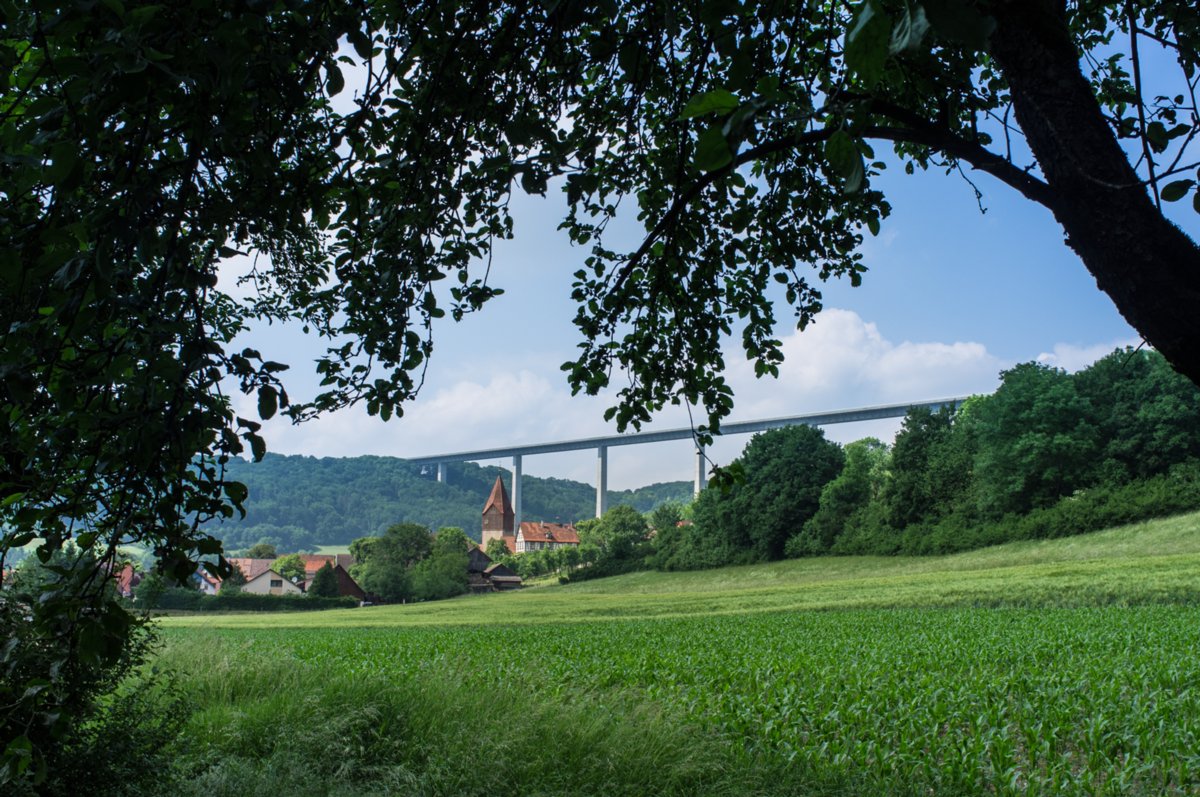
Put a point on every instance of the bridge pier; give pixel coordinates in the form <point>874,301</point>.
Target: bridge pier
<point>441,466</point>
<point>516,493</point>
<point>701,470</point>
<point>601,480</point>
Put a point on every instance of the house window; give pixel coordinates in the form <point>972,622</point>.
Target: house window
<point>276,583</point>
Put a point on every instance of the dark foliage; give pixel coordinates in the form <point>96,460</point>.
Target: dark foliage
<point>784,473</point>
<point>1048,454</point>
<point>124,716</point>
<point>195,601</point>
<point>407,562</point>
<point>149,145</point>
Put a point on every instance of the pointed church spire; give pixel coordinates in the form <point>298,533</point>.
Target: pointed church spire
<point>497,513</point>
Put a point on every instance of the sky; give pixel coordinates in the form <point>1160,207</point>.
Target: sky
<point>953,295</point>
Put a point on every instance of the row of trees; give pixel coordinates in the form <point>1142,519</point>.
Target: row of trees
<point>615,543</point>
<point>1048,454</point>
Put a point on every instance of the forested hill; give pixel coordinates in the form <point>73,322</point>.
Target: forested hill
<point>300,502</point>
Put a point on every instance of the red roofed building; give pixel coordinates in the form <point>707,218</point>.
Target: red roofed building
<point>251,568</point>
<point>540,536</point>
<point>347,586</point>
<point>127,578</point>
<point>498,518</point>
<point>315,561</point>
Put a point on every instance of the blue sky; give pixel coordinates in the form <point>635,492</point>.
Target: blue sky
<point>952,297</point>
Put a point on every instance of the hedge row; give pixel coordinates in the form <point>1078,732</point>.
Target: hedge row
<point>191,600</point>
<point>1102,507</point>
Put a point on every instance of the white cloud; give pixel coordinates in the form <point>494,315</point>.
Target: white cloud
<point>840,362</point>
<point>1072,357</point>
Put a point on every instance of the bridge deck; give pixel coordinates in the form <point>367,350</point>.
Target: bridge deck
<point>686,433</point>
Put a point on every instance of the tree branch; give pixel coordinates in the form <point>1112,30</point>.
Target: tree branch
<point>917,130</point>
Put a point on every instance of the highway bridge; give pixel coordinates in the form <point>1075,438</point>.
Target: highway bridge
<point>602,444</point>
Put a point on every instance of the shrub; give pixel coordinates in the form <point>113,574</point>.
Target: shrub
<point>191,600</point>
<point>124,719</point>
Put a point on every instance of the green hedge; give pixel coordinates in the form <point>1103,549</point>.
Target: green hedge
<point>191,600</point>
<point>1102,507</point>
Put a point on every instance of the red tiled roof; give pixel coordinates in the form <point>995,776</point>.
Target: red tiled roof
<point>549,532</point>
<point>127,579</point>
<point>252,568</point>
<point>346,584</point>
<point>315,561</point>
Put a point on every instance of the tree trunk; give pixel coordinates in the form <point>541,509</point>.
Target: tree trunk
<point>1147,266</point>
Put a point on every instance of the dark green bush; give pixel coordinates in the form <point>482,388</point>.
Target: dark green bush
<point>191,600</point>
<point>1098,508</point>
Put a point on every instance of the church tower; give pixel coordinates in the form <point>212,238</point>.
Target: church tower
<point>498,517</point>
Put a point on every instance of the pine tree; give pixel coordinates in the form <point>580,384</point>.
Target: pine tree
<point>324,583</point>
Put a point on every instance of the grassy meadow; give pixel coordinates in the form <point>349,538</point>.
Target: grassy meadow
<point>1051,668</point>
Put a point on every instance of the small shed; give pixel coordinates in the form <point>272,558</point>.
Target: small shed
<point>501,577</point>
<point>477,560</point>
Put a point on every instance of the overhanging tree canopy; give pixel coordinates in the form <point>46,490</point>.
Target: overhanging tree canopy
<point>144,145</point>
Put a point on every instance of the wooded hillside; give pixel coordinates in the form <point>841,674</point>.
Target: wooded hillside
<point>301,502</point>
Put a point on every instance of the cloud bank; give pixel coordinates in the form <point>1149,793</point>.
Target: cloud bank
<point>840,362</point>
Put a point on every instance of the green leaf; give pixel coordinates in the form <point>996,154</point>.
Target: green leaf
<point>1156,135</point>
<point>1173,192</point>
<point>258,446</point>
<point>845,160</point>
<point>268,402</point>
<point>712,150</point>
<point>237,492</point>
<point>334,81</point>
<point>362,44</point>
<point>909,31</point>
<point>715,101</point>
<point>868,43</point>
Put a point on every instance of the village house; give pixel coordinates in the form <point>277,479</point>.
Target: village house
<point>315,561</point>
<point>251,568</point>
<point>347,586</point>
<point>545,536</point>
<point>268,582</point>
<point>206,582</point>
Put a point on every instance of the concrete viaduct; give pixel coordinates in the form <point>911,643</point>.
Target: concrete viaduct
<point>602,444</point>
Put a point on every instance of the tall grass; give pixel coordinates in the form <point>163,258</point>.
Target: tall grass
<point>268,721</point>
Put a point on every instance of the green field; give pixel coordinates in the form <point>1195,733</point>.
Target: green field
<point>1064,667</point>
